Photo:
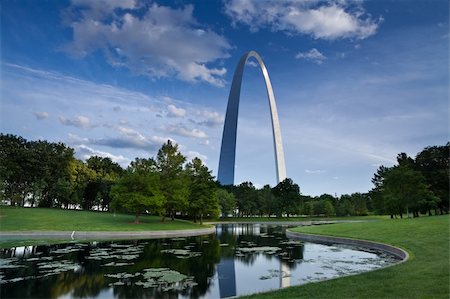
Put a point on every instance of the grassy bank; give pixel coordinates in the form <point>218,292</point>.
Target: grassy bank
<point>32,219</point>
<point>425,275</point>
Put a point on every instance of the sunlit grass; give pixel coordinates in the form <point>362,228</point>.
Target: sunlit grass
<point>37,219</point>
<point>425,275</point>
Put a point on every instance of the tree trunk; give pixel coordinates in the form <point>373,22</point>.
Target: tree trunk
<point>172,215</point>
<point>136,220</point>
<point>201,218</point>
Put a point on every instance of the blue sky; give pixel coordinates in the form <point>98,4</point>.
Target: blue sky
<point>356,82</point>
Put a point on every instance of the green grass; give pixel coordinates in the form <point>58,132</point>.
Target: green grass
<point>424,275</point>
<point>37,219</point>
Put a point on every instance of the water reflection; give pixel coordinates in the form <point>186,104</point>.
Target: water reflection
<point>237,260</point>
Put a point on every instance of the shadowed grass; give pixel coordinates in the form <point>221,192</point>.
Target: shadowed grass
<point>37,219</point>
<point>424,275</point>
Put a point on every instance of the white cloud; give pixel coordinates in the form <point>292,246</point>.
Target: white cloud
<point>322,20</point>
<point>174,111</point>
<point>193,154</point>
<point>209,118</point>
<point>157,41</point>
<point>312,55</point>
<point>41,115</point>
<point>79,121</point>
<point>181,130</point>
<point>251,63</point>
<point>85,152</point>
<point>315,171</point>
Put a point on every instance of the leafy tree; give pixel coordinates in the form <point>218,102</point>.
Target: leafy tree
<point>345,207</point>
<point>308,208</point>
<point>203,197</point>
<point>328,208</point>
<point>246,196</point>
<point>227,202</point>
<point>434,164</point>
<point>98,187</point>
<point>359,202</point>
<point>174,181</point>
<point>266,201</point>
<point>377,193</point>
<point>14,164</point>
<point>288,196</point>
<point>404,188</point>
<point>137,192</point>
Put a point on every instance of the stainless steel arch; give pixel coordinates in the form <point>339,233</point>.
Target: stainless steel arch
<point>228,148</point>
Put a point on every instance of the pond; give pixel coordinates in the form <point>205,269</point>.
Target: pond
<point>239,259</point>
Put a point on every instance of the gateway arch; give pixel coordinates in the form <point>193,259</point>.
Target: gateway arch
<point>228,148</point>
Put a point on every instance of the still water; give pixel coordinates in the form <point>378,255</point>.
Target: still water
<point>239,259</point>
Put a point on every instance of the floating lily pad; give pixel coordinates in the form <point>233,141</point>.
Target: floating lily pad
<point>265,249</point>
<point>113,264</point>
<point>181,253</point>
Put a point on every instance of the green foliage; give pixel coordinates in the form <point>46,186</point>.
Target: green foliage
<point>288,197</point>
<point>203,198</point>
<point>173,179</point>
<point>434,164</point>
<point>227,202</point>
<point>416,186</point>
<point>137,192</point>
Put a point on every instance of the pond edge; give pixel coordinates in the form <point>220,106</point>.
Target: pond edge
<point>400,253</point>
<point>77,235</point>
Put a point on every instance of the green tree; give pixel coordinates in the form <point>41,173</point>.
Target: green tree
<point>173,179</point>
<point>203,198</point>
<point>328,208</point>
<point>359,202</point>
<point>266,201</point>
<point>377,193</point>
<point>137,192</point>
<point>227,202</point>
<point>246,196</point>
<point>14,166</point>
<point>404,189</point>
<point>98,187</point>
<point>434,164</point>
<point>288,196</point>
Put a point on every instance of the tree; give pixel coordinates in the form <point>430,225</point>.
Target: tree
<point>404,188</point>
<point>202,196</point>
<point>328,208</point>
<point>359,202</point>
<point>266,201</point>
<point>434,164</point>
<point>246,198</point>
<point>173,179</point>
<point>137,192</point>
<point>98,187</point>
<point>288,196</point>
<point>377,193</point>
<point>227,202</point>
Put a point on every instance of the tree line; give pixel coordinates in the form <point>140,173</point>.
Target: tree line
<point>45,174</point>
<point>414,186</point>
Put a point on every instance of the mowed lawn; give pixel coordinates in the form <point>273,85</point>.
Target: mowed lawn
<point>37,219</point>
<point>424,275</point>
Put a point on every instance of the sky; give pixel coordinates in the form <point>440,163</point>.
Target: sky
<point>355,82</point>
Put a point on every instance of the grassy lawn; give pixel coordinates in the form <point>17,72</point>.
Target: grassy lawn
<point>425,275</point>
<point>26,219</point>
